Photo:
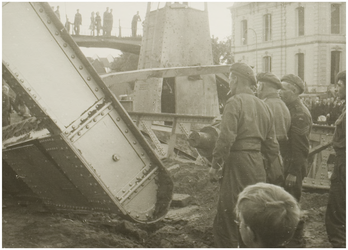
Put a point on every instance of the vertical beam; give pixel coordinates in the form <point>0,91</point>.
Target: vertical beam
<point>172,139</point>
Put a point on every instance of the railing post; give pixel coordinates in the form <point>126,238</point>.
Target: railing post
<point>119,28</point>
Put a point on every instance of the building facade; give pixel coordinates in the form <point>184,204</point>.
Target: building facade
<point>307,39</point>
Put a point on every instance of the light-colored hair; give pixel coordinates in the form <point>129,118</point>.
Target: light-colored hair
<point>270,212</point>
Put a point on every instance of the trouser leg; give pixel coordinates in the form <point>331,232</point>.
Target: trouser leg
<point>335,217</point>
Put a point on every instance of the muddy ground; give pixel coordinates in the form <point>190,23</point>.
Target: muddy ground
<point>31,225</point>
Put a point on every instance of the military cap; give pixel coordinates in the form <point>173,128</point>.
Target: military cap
<point>243,70</point>
<point>269,78</point>
<point>293,79</point>
<point>341,76</point>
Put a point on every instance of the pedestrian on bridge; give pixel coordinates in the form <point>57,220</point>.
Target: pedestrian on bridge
<point>135,20</point>
<point>105,21</point>
<point>335,217</point>
<point>67,25</point>
<point>57,13</point>
<point>110,23</point>
<point>77,22</point>
<point>98,23</point>
<point>92,25</point>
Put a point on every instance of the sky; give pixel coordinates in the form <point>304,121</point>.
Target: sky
<point>123,12</point>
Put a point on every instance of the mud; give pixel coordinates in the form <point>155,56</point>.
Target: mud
<point>29,224</point>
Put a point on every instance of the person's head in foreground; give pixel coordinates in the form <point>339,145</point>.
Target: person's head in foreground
<point>267,215</point>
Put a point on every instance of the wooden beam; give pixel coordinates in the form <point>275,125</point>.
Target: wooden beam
<point>144,74</point>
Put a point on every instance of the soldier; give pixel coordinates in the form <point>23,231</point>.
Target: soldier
<point>268,86</point>
<point>297,149</point>
<point>335,218</point>
<point>247,130</point>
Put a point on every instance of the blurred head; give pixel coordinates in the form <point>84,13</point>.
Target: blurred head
<point>267,215</point>
<point>293,86</point>
<point>267,83</point>
<point>341,84</point>
<point>241,76</point>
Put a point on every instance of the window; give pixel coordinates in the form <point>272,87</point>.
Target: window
<point>335,18</point>
<point>300,65</point>
<point>335,64</point>
<point>244,29</point>
<point>300,21</point>
<point>267,27</point>
<point>267,64</point>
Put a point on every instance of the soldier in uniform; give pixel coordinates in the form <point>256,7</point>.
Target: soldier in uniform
<point>267,90</point>
<point>335,218</point>
<point>247,132</point>
<point>297,149</point>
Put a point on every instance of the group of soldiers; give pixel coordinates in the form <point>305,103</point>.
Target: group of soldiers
<point>265,138</point>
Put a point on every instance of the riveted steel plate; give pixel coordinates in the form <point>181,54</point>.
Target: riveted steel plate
<point>34,168</point>
<point>93,146</point>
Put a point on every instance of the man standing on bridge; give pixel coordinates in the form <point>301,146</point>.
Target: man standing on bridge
<point>247,133</point>
<point>297,149</point>
<point>135,20</point>
<point>106,21</point>
<point>77,22</point>
<point>335,218</point>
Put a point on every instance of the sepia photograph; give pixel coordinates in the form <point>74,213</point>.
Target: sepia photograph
<point>173,124</point>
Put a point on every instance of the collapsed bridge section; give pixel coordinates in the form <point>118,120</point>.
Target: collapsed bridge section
<point>80,150</point>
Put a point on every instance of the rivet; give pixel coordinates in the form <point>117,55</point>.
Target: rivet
<point>66,132</point>
<point>126,131</point>
<point>22,80</point>
<point>79,133</point>
<point>48,21</point>
<point>110,107</point>
<point>73,127</point>
<point>71,139</point>
<point>57,33</point>
<point>87,126</point>
<point>89,112</point>
<point>137,216</point>
<point>134,142</point>
<point>118,119</point>
<point>102,113</point>
<point>94,119</point>
<point>80,67</point>
<point>41,10</point>
<point>115,157</point>
<point>72,56</point>
<point>123,191</point>
<point>96,89</point>
<point>130,184</point>
<point>142,154</point>
<point>88,78</point>
<point>128,212</point>
<point>16,74</point>
<point>65,44</point>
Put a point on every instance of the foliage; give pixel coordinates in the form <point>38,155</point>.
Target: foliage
<point>221,51</point>
<point>125,62</point>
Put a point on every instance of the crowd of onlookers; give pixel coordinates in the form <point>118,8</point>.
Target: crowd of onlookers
<point>324,111</point>
<point>97,24</point>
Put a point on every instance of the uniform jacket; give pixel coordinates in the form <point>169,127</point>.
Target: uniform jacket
<point>297,149</point>
<point>339,138</point>
<point>281,115</point>
<point>246,118</point>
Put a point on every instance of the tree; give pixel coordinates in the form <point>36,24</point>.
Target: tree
<point>125,62</point>
<point>221,51</point>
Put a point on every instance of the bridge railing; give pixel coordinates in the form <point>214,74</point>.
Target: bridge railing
<point>116,31</point>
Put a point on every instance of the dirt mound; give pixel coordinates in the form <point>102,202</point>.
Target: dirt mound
<point>30,225</point>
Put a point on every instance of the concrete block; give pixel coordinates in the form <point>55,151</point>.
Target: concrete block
<point>181,200</point>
